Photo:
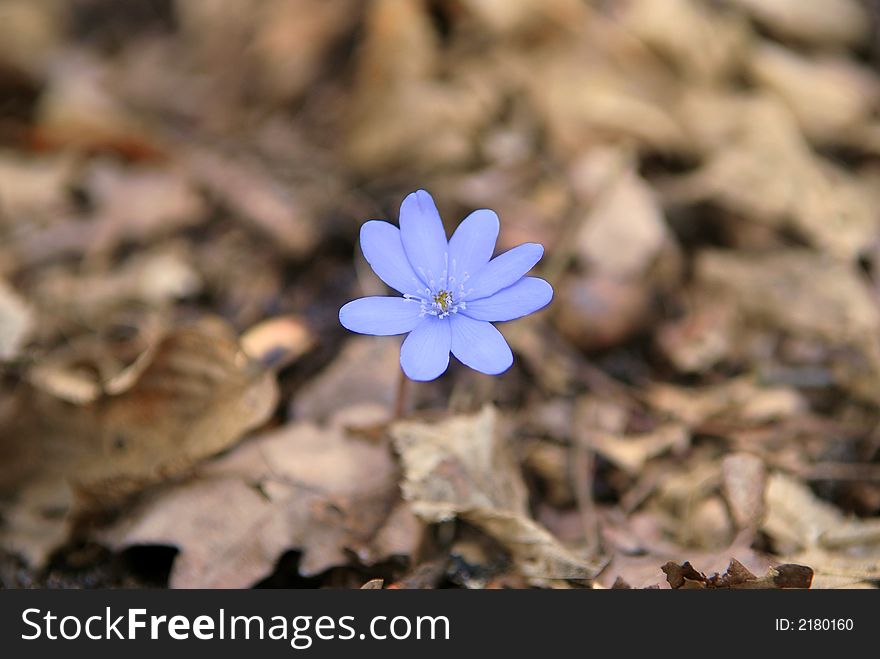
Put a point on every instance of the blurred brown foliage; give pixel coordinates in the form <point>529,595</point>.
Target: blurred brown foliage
<point>181,187</point>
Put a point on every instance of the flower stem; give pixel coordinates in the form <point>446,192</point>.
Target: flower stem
<point>402,391</point>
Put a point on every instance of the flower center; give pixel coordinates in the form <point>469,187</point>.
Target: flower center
<point>443,300</point>
<point>444,297</point>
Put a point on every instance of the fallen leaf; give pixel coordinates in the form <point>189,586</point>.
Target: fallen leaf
<point>313,488</point>
<point>196,395</point>
<point>461,468</point>
<point>365,371</point>
<point>843,552</point>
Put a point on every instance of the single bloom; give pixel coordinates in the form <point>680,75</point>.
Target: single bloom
<point>451,291</point>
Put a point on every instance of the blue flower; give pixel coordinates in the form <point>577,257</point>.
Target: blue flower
<point>452,291</point>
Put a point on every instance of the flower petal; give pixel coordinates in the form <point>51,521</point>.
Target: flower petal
<point>479,345</point>
<point>381,316</point>
<point>383,249</point>
<point>472,244</point>
<point>423,236</point>
<point>504,270</point>
<point>424,354</point>
<point>526,296</point>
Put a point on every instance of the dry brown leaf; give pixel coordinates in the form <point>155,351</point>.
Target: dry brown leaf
<point>461,468</point>
<point>806,529</point>
<point>195,396</point>
<point>199,395</point>
<point>317,489</point>
<point>366,371</point>
<point>643,570</point>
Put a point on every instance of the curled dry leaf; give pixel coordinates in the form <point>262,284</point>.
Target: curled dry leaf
<point>195,396</point>
<point>198,396</point>
<point>461,468</point>
<point>318,489</point>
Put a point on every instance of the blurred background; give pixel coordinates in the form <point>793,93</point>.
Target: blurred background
<point>181,189</point>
